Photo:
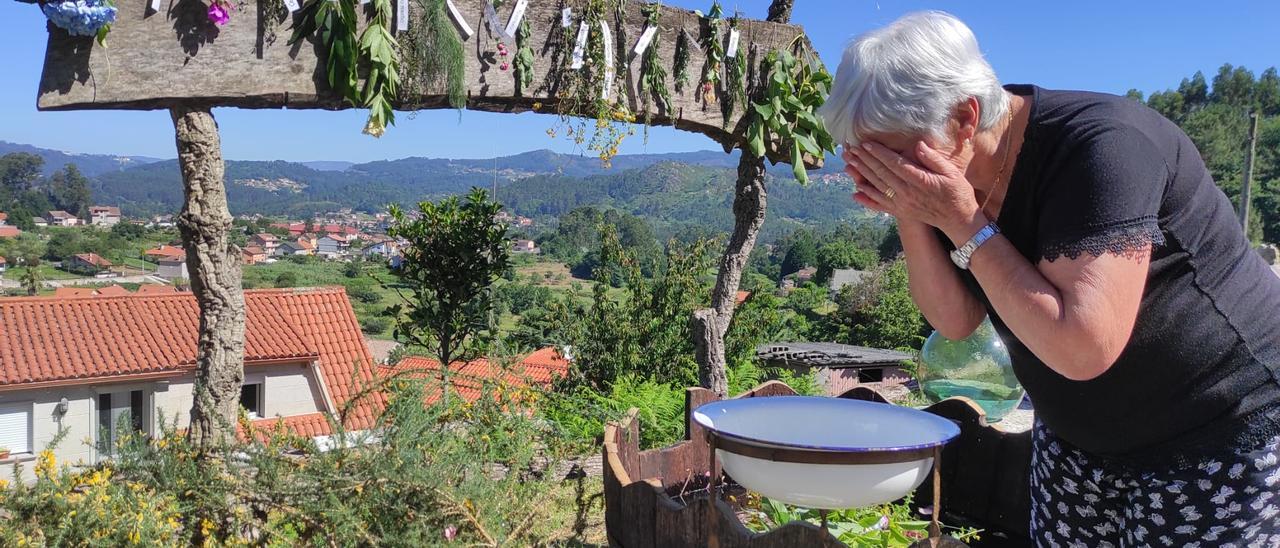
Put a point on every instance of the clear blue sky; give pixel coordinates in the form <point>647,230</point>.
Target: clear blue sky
<point>1102,45</point>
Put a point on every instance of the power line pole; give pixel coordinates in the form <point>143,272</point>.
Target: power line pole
<point>1249,155</point>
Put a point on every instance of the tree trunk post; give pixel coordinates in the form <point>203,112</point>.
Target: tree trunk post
<point>213,263</point>
<point>709,326</point>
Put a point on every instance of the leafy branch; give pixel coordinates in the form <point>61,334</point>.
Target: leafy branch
<point>653,75</point>
<point>714,47</point>
<point>785,121</point>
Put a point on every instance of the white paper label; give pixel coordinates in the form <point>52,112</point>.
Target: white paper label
<point>517,15</point>
<point>291,4</point>
<point>402,15</point>
<point>580,46</point>
<point>363,2</point>
<point>733,44</point>
<point>459,20</point>
<point>155,5</point>
<point>609,72</point>
<point>566,17</point>
<point>646,38</point>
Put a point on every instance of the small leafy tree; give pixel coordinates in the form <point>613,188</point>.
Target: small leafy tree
<point>878,311</point>
<point>32,279</point>
<point>456,250</point>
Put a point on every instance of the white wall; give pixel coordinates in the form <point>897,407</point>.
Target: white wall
<point>289,389</point>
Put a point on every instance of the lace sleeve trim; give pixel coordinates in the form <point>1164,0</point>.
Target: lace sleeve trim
<point>1125,239</point>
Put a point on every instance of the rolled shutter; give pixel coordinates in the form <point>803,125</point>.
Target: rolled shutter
<point>15,427</point>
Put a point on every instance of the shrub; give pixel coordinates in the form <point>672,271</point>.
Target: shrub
<point>287,279</point>
<point>375,325</point>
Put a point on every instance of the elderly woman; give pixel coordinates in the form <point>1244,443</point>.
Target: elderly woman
<point>1088,229</point>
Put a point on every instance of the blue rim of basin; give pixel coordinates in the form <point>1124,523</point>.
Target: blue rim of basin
<point>951,431</point>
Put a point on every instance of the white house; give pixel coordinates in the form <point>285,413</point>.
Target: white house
<point>104,216</point>
<point>173,268</point>
<point>62,218</point>
<point>110,361</point>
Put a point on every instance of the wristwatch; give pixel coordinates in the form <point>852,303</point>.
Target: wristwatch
<point>964,253</point>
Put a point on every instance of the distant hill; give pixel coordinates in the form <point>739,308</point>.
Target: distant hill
<point>672,191</point>
<point>91,165</point>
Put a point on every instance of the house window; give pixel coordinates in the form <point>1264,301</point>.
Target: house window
<point>119,412</point>
<point>871,374</point>
<point>15,427</point>
<point>251,399</point>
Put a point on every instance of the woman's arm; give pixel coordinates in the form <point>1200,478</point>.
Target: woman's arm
<point>935,285</point>
<point>1076,315</point>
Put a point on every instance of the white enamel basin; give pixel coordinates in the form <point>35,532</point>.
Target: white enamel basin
<point>825,425</point>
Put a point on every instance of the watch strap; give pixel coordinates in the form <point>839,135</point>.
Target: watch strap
<point>963,254</point>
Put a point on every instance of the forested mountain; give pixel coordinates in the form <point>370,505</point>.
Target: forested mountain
<point>90,165</point>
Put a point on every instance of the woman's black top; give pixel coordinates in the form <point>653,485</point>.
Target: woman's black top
<point>1201,373</point>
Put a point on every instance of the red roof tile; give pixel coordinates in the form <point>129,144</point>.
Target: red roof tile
<point>113,290</point>
<point>51,339</point>
<point>540,368</point>
<point>9,231</point>
<point>93,259</point>
<point>151,289</point>
<point>166,252</point>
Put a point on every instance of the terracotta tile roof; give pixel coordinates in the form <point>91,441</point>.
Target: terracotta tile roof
<point>52,339</point>
<point>74,292</point>
<point>539,369</point>
<point>309,425</point>
<point>741,297</point>
<point>113,290</point>
<point>9,231</point>
<point>3,216</point>
<point>59,215</point>
<point>93,259</point>
<point>152,289</point>
<point>253,250</point>
<point>2,260</point>
<point>166,252</point>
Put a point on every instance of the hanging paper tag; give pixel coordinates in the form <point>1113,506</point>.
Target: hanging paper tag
<point>646,38</point>
<point>609,72</point>
<point>566,17</point>
<point>402,15</point>
<point>459,20</point>
<point>580,46</point>
<point>491,19</point>
<point>517,15</point>
<point>732,51</point>
<point>291,4</point>
<point>155,5</point>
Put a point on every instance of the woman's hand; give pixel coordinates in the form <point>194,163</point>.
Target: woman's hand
<point>934,192</point>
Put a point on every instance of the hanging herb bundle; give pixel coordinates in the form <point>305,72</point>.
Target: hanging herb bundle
<point>434,55</point>
<point>735,89</point>
<point>382,82</point>
<point>714,47</point>
<point>335,23</point>
<point>786,120</point>
<point>579,91</point>
<point>681,67</point>
<point>653,75</point>
<point>524,58</point>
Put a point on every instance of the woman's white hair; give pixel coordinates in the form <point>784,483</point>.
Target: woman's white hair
<point>909,77</point>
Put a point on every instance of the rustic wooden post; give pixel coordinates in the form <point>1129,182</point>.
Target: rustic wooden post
<point>214,265</point>
<point>749,208</point>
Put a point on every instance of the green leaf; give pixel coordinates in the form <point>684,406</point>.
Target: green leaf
<point>797,165</point>
<point>764,110</point>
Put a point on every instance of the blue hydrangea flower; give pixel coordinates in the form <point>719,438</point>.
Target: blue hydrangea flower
<point>80,17</point>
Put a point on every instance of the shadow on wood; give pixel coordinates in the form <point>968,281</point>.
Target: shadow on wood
<point>639,512</point>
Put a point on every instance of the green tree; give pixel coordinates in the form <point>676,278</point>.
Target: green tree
<point>801,251</point>
<point>32,279</point>
<point>70,191</point>
<point>20,172</point>
<point>878,311</point>
<point>456,251</point>
<point>128,231</point>
<point>842,254</point>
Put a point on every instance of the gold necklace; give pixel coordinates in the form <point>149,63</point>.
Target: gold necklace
<point>1008,145</point>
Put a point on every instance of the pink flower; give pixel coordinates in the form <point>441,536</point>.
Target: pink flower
<point>450,533</point>
<point>505,66</point>
<point>218,14</point>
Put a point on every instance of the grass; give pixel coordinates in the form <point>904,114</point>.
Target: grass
<point>47,273</point>
<point>331,273</point>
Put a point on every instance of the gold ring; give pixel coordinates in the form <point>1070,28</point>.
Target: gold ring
<point>888,193</point>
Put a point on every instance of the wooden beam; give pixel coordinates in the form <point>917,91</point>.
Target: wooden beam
<point>175,57</point>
